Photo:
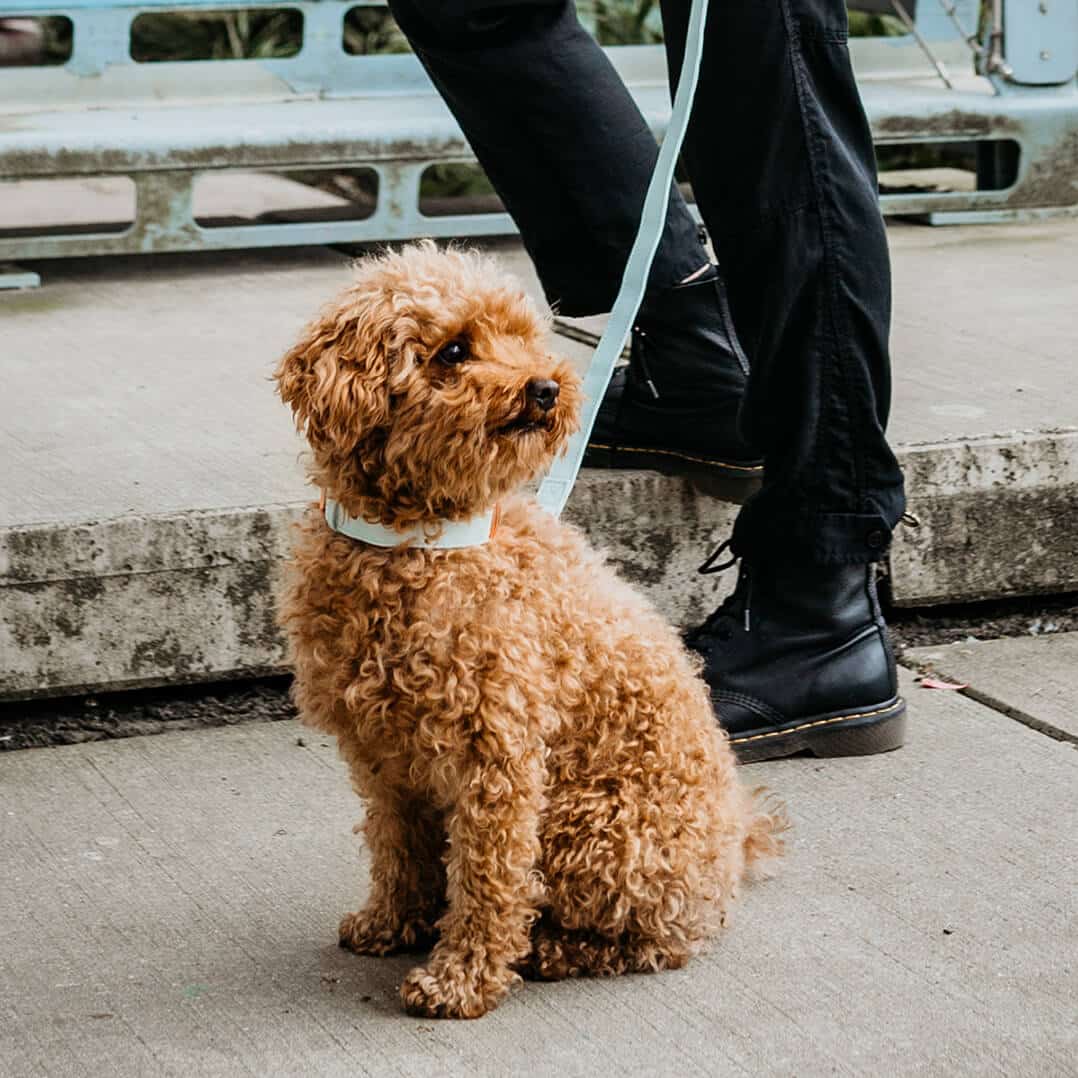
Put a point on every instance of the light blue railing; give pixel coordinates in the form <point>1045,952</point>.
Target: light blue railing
<point>164,124</point>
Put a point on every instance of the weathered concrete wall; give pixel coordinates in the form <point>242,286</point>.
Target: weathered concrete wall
<point>999,517</point>
<point>139,601</point>
<point>184,597</point>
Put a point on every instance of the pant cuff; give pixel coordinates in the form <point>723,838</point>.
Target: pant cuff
<point>812,538</point>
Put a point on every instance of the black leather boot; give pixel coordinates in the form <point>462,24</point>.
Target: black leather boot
<point>798,659</point>
<point>673,409</point>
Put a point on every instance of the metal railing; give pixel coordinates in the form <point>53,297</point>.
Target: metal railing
<point>1008,91</point>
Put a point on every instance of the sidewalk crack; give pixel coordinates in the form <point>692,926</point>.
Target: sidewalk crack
<point>992,702</point>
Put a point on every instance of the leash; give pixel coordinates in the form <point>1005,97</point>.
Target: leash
<point>556,487</point>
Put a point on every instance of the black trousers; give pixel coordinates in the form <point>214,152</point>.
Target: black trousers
<point>782,167</point>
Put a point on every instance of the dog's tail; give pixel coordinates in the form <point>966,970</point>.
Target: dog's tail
<point>767,823</point>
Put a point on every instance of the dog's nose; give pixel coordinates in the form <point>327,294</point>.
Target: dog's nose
<point>543,392</point>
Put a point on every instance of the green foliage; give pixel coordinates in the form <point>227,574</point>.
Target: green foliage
<point>454,181</point>
<point>867,24</point>
<point>216,35</point>
<point>371,30</point>
<point>57,35</point>
<point>622,22</point>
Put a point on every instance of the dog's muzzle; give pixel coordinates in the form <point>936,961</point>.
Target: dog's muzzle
<point>542,393</point>
<point>540,399</point>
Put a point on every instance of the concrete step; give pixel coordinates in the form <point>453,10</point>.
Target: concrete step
<point>148,475</point>
<point>173,902</point>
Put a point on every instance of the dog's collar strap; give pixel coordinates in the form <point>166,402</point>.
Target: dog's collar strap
<point>453,534</point>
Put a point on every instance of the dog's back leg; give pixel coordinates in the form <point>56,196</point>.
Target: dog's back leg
<point>559,953</point>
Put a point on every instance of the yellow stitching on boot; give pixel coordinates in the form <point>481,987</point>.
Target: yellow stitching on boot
<point>680,456</point>
<point>818,722</point>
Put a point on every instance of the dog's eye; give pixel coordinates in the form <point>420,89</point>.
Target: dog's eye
<point>453,353</point>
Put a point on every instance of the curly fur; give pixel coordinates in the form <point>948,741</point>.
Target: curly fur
<point>546,788</point>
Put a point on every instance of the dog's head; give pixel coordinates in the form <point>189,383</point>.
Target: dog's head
<point>425,389</point>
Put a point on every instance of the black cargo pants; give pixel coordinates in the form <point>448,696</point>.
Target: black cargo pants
<point>782,167</point>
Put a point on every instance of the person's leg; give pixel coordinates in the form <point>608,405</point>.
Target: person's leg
<point>782,164</point>
<point>559,136</point>
<point>783,170</point>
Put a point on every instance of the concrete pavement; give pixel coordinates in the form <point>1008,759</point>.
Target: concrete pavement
<point>1033,679</point>
<point>168,906</point>
<point>148,476</point>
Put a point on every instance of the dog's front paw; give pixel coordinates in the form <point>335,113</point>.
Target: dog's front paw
<point>455,990</point>
<point>369,932</point>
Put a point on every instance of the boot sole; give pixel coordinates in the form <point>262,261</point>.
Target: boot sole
<point>732,481</point>
<point>862,733</point>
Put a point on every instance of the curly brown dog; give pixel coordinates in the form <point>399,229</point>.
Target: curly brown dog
<point>547,792</point>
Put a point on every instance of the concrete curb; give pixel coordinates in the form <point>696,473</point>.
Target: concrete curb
<point>185,597</point>
<point>998,517</point>
<point>141,600</point>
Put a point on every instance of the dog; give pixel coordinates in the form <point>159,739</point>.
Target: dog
<point>547,792</point>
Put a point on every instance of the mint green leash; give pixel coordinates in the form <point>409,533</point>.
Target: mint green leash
<point>556,487</point>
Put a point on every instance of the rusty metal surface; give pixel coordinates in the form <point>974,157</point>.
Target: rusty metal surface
<point>1043,123</point>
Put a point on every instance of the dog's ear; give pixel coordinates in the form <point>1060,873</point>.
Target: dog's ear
<point>335,377</point>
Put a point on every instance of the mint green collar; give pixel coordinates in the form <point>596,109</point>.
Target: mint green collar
<point>451,535</point>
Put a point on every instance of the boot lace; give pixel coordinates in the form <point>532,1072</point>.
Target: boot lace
<point>735,607</point>
<point>710,565</point>
<point>638,363</point>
